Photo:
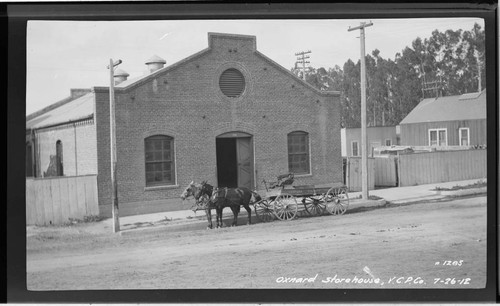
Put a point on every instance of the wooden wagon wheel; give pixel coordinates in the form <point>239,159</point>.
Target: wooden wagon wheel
<point>336,200</point>
<point>285,206</point>
<point>264,210</point>
<point>314,205</point>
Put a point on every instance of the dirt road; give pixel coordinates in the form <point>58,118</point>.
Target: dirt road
<point>428,245</point>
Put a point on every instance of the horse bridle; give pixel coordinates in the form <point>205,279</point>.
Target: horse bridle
<point>200,204</point>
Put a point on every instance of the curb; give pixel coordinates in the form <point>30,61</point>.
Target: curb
<point>201,224</point>
<point>366,203</point>
<point>417,199</point>
<point>187,226</point>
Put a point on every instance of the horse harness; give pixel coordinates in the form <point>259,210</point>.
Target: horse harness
<point>203,201</point>
<point>225,189</point>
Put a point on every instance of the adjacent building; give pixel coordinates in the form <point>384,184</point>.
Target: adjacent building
<point>447,121</point>
<point>377,136</point>
<point>227,114</point>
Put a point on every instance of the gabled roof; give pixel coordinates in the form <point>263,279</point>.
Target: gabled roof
<point>75,110</point>
<point>461,107</point>
<point>142,79</point>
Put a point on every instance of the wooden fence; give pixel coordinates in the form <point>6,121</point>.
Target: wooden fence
<point>56,200</point>
<point>441,166</point>
<point>386,171</point>
<point>417,168</point>
<point>353,174</point>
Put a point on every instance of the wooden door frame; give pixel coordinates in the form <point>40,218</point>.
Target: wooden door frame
<point>236,135</point>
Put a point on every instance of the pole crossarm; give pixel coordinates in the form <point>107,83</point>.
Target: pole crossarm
<point>361,26</point>
<point>118,62</point>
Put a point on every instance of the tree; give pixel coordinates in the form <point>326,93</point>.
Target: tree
<point>452,62</point>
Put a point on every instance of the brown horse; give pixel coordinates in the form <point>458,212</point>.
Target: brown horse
<point>233,198</point>
<point>202,194</point>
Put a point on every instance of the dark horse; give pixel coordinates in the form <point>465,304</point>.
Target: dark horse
<point>233,198</point>
<point>202,194</point>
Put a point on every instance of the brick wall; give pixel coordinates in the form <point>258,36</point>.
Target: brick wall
<point>185,102</point>
<point>79,138</point>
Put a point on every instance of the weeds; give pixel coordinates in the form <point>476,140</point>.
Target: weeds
<point>86,219</point>
<point>478,184</point>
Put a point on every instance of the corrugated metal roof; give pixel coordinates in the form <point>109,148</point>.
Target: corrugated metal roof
<point>451,108</point>
<point>77,109</point>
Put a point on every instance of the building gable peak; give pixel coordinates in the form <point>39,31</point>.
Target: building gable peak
<point>232,41</point>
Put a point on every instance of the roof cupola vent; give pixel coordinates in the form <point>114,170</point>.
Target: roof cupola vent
<point>120,76</point>
<point>155,63</point>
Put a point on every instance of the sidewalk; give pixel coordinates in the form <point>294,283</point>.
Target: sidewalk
<point>400,195</point>
<point>188,220</point>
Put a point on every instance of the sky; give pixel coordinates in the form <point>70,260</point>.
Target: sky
<point>74,54</point>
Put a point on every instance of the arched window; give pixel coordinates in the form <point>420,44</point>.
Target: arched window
<point>298,153</point>
<point>59,158</point>
<point>160,161</point>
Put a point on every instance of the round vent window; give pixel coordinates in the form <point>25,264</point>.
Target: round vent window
<point>232,83</point>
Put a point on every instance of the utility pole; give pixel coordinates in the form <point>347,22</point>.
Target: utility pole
<point>434,86</point>
<point>478,59</point>
<point>112,138</point>
<point>302,60</point>
<point>364,140</point>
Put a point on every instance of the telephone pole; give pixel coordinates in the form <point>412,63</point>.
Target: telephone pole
<point>364,140</point>
<point>478,60</point>
<point>112,138</point>
<point>301,59</point>
<point>433,86</point>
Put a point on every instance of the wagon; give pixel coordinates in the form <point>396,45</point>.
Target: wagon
<point>283,203</point>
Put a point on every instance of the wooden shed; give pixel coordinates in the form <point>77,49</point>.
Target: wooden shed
<point>447,121</point>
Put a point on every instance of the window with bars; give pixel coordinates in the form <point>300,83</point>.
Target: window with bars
<point>298,153</point>
<point>159,158</point>
<point>232,83</point>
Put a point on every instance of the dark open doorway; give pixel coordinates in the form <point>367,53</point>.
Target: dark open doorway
<point>234,160</point>
<point>227,171</point>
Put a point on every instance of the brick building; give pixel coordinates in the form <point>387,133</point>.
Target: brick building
<point>227,114</point>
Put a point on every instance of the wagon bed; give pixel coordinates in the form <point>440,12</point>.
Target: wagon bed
<point>282,203</point>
